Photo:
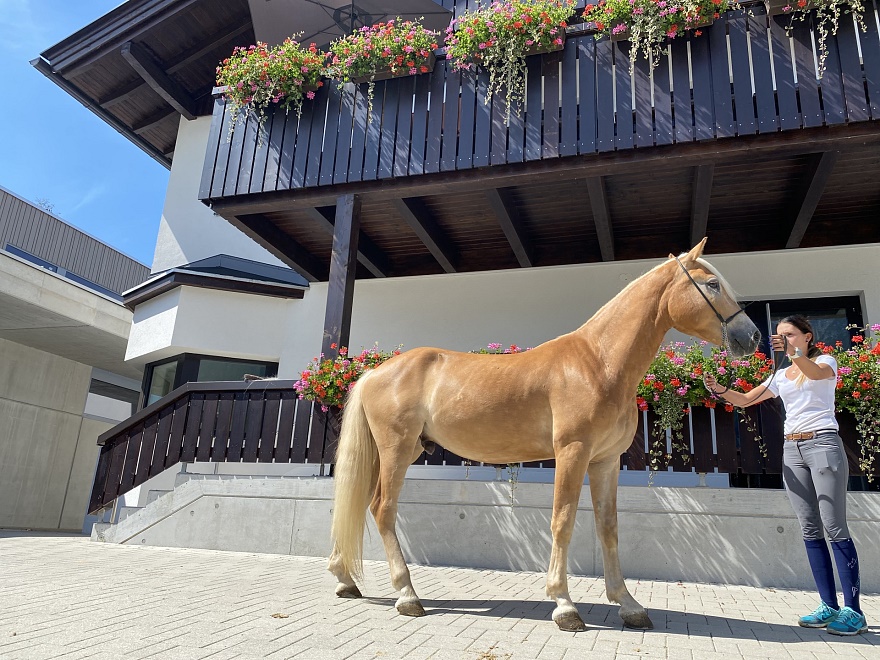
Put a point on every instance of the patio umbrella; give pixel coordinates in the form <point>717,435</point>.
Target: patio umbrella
<point>321,21</point>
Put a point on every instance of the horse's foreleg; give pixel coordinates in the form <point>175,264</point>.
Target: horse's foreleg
<point>392,472</point>
<point>603,490</point>
<point>570,470</point>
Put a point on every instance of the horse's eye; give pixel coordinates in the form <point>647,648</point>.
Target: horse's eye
<point>715,285</point>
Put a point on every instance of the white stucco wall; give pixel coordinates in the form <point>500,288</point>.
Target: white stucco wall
<point>189,230</point>
<point>465,311</point>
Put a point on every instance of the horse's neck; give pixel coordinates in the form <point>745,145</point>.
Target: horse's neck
<point>629,329</point>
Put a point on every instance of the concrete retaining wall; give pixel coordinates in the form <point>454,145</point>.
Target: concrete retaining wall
<point>695,534</point>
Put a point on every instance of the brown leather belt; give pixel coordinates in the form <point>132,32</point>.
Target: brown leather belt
<point>806,435</point>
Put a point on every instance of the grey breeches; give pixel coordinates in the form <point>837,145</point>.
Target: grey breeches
<point>816,473</point>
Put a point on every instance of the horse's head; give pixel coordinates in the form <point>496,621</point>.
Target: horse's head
<point>701,303</point>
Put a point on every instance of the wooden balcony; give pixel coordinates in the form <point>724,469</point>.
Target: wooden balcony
<point>741,101</point>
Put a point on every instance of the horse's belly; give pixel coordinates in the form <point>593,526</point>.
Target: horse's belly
<point>494,443</point>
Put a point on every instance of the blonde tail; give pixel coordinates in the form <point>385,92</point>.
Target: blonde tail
<point>357,463</point>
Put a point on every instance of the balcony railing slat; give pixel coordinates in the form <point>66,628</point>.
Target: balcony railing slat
<point>483,122</point>
<point>237,427</point>
<point>701,425</point>
<point>403,133</point>
<point>207,426</point>
<point>301,145</point>
<point>299,447</point>
<point>389,127</point>
<point>808,87</point>
<point>434,138</point>
<point>765,98</point>
<point>750,459</point>
<point>160,447</point>
<point>605,95</point>
<point>178,424</point>
<point>644,135</point>
<point>374,133</point>
<point>623,85</point>
<point>420,126</point>
<point>269,428</point>
<point>358,135</point>
<point>721,100</point>
<point>467,121</point>
<point>192,430</point>
<point>587,101</point>
<point>343,141</point>
<point>145,451</point>
<point>450,119</point>
<point>224,423</point>
<point>317,137</point>
<point>253,426</point>
<point>725,443</point>
<point>331,133</point>
<point>663,133</point>
<point>870,44</point>
<point>568,127</point>
<point>851,70</point>
<point>534,101</point>
<point>550,74</point>
<point>129,468</point>
<point>742,85</point>
<point>261,153</point>
<point>213,148</point>
<point>246,166</point>
<point>786,90</point>
<point>832,86</point>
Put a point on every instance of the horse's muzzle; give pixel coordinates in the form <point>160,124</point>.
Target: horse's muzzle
<point>744,336</point>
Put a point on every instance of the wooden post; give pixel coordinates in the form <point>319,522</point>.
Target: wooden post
<point>337,318</point>
<point>343,264</point>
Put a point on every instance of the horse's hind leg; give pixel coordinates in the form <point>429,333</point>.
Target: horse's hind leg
<point>603,490</point>
<point>346,588</point>
<point>393,463</point>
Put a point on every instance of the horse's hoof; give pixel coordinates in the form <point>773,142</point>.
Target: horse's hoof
<point>410,608</point>
<point>568,619</point>
<point>638,620</point>
<point>348,591</point>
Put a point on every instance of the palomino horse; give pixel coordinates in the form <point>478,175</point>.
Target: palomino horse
<point>572,399</point>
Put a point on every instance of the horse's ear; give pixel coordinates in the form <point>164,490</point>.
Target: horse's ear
<point>697,251</point>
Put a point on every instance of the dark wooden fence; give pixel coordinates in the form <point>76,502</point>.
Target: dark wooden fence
<point>250,422</point>
<point>579,101</point>
<point>265,422</point>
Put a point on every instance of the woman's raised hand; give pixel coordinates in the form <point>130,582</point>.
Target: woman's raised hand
<point>710,382</point>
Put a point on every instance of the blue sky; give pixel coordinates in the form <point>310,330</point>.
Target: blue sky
<point>53,148</point>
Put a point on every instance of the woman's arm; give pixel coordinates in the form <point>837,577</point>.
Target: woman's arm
<point>812,370</point>
<point>741,399</point>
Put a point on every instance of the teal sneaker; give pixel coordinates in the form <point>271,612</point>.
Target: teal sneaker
<point>848,622</point>
<point>820,617</point>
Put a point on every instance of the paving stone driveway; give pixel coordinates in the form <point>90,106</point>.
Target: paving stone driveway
<point>65,597</point>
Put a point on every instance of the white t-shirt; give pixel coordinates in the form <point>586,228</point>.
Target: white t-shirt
<point>809,407</point>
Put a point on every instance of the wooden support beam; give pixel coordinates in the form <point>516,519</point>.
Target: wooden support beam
<point>343,262</point>
<point>150,69</point>
<point>369,254</point>
<point>601,216</point>
<point>512,226</point>
<point>267,234</point>
<point>814,185</point>
<point>148,123</point>
<point>703,176</point>
<point>413,211</point>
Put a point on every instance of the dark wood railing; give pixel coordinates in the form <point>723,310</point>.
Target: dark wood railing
<point>265,422</point>
<point>249,422</point>
<point>579,101</point>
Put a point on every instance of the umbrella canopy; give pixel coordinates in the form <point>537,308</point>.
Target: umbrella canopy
<point>321,21</point>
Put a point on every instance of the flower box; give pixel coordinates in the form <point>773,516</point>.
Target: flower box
<point>619,35</point>
<point>385,73</point>
<point>534,49</point>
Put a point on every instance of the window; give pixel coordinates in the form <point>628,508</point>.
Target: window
<point>828,316</point>
<point>163,377</point>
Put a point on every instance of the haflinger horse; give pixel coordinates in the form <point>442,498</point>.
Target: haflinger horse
<point>571,399</point>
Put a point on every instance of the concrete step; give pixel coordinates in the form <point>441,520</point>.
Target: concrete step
<point>98,531</point>
<point>125,511</point>
<point>154,495</point>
